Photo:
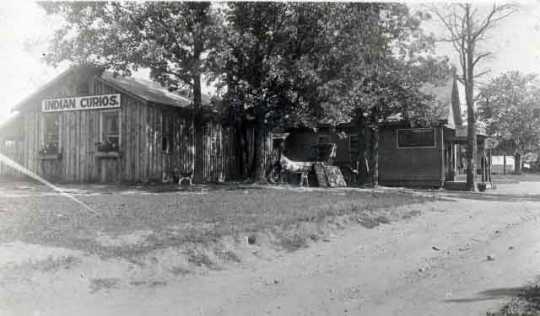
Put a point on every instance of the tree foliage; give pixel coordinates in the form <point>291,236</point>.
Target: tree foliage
<point>279,63</point>
<point>175,40</point>
<point>172,39</point>
<point>300,63</point>
<point>510,105</point>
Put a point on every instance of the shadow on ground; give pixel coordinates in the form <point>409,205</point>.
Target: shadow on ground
<point>492,197</point>
<point>492,295</point>
<point>522,300</point>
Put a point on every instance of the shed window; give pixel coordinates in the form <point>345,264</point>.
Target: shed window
<point>166,133</point>
<point>416,137</point>
<point>51,133</point>
<point>355,141</point>
<point>110,130</point>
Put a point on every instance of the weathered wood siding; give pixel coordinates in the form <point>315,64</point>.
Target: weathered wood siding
<point>410,166</point>
<point>140,157</point>
<point>14,150</point>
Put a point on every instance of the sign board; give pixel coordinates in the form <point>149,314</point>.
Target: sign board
<point>93,102</point>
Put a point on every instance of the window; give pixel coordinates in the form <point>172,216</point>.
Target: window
<point>51,133</point>
<point>166,133</point>
<point>110,130</point>
<point>416,137</point>
<point>355,142</point>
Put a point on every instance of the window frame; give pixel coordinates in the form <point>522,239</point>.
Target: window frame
<point>167,133</point>
<point>349,141</point>
<point>417,147</point>
<point>44,129</point>
<point>102,115</point>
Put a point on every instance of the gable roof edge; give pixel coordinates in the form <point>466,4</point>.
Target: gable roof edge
<point>117,87</point>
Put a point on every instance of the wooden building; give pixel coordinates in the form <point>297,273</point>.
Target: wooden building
<point>423,156</point>
<point>431,155</point>
<point>90,126</point>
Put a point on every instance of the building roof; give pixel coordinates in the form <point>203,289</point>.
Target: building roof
<point>145,89</point>
<point>12,126</point>
<point>149,90</point>
<point>448,98</point>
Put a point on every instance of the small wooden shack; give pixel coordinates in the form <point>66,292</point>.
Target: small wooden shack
<point>423,156</point>
<point>88,125</point>
<point>431,155</point>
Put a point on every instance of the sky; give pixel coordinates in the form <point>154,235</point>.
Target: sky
<point>25,31</point>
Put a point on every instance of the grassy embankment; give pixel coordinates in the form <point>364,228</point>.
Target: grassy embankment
<point>283,218</point>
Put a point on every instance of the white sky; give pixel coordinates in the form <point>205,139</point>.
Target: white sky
<point>25,30</point>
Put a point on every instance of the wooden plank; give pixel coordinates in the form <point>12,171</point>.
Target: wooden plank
<point>320,174</point>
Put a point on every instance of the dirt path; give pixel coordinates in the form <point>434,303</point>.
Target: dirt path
<point>434,264</point>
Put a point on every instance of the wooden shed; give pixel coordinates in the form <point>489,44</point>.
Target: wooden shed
<point>431,155</point>
<point>88,125</point>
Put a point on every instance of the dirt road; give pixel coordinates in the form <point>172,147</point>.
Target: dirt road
<point>433,264</point>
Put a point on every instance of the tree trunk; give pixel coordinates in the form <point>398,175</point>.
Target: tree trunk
<point>240,147</point>
<point>471,148</point>
<point>259,170</point>
<point>471,119</point>
<point>517,163</point>
<point>198,175</point>
<point>374,156</point>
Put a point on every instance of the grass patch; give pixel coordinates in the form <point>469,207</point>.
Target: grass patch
<point>294,242</point>
<point>103,283</point>
<point>525,303</point>
<point>179,271</point>
<point>199,259</point>
<point>200,215</point>
<point>51,264</point>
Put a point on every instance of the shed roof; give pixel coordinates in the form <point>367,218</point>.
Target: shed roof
<point>448,99</point>
<point>149,90</point>
<point>145,89</point>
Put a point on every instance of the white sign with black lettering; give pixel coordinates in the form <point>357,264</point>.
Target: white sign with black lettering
<point>92,102</point>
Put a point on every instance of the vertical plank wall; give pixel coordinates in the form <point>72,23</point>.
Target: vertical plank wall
<point>13,151</point>
<point>141,156</point>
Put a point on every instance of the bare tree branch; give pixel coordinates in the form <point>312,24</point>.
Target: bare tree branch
<point>496,14</point>
<point>482,73</point>
<point>466,29</point>
<point>479,57</point>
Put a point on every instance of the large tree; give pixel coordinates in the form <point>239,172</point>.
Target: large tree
<point>467,27</point>
<point>278,56</point>
<point>391,59</point>
<point>510,105</point>
<point>175,40</point>
<point>295,63</point>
